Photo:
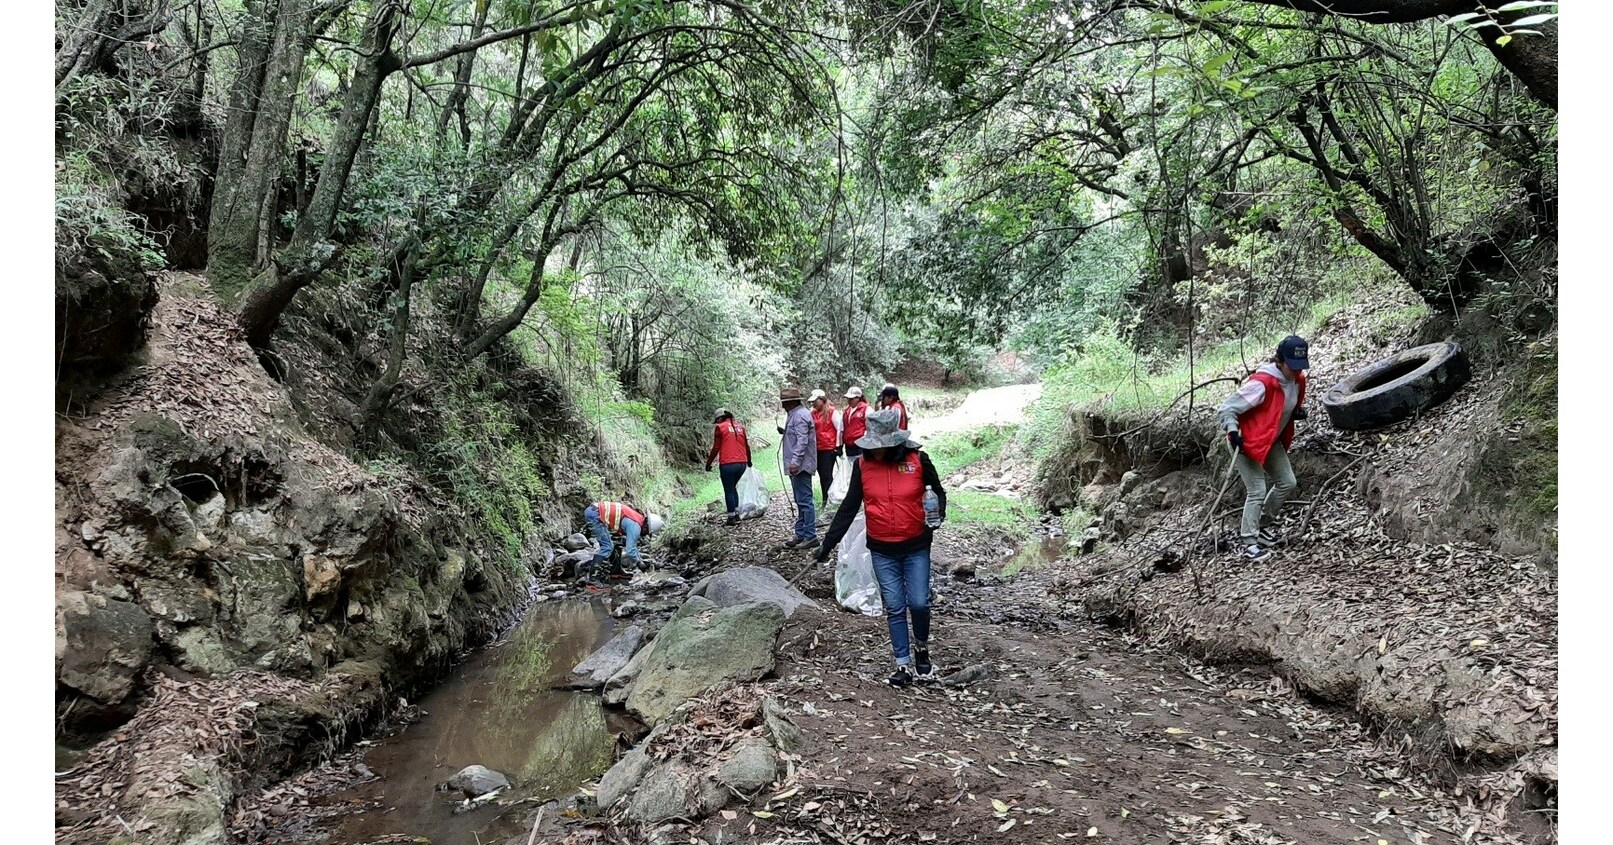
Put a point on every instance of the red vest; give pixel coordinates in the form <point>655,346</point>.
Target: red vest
<point>854,423</point>
<point>1259,424</point>
<point>826,427</point>
<point>893,498</point>
<point>612,514</point>
<point>903,408</point>
<point>731,448</point>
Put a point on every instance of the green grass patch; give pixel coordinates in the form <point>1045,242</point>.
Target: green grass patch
<point>972,509</point>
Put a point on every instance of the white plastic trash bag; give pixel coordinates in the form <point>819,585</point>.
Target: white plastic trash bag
<point>842,482</point>
<point>855,587</point>
<point>752,494</point>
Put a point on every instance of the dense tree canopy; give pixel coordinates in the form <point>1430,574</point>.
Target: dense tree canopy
<point>804,189</point>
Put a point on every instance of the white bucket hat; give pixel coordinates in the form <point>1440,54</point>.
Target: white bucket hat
<point>884,431</point>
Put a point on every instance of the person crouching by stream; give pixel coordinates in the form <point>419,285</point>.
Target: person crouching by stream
<point>731,448</point>
<point>888,483</point>
<point>1259,423</point>
<point>605,519</point>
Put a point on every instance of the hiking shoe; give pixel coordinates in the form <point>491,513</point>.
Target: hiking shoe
<point>903,676</point>
<point>923,669</point>
<point>1255,553</point>
<point>732,519</point>
<point>620,576</point>
<point>1269,536</point>
<point>596,587</point>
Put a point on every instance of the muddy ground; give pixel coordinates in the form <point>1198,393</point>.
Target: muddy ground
<point>1080,731</point>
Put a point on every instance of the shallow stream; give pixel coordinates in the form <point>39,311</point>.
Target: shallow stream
<point>499,710</point>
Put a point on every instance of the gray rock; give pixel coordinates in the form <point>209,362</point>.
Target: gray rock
<point>752,584</point>
<point>971,675</point>
<point>695,652</point>
<point>598,667</point>
<point>694,606</point>
<point>710,796</point>
<point>662,794</point>
<point>963,570</point>
<point>568,565</point>
<point>1089,540</point>
<point>1129,482</point>
<point>576,543</point>
<point>101,645</point>
<point>621,683</point>
<point>753,766</point>
<point>623,777</point>
<point>626,609</point>
<point>477,780</point>
<point>786,734</point>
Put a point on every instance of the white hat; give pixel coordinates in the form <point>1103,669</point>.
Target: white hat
<point>816,395</point>
<point>854,393</point>
<point>654,523</point>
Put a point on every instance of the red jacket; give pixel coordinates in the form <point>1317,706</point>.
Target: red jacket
<point>1259,424</point>
<point>854,422</point>
<point>827,435</point>
<point>893,499</point>
<point>903,408</point>
<point>728,444</point>
<point>612,514</point>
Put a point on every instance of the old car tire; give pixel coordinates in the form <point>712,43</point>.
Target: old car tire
<point>1394,388</point>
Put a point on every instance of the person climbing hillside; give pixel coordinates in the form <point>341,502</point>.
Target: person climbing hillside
<point>853,420</point>
<point>1259,423</point>
<point>827,424</point>
<point>607,518</point>
<point>889,482</point>
<point>730,447</point>
<point>800,457</point>
<point>890,397</point>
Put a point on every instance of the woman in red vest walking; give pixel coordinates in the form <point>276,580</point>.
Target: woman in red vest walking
<point>1259,423</point>
<point>889,483</point>
<point>890,397</point>
<point>853,421</point>
<point>827,424</point>
<point>731,448</point>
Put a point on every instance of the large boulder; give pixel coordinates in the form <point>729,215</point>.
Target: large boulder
<point>699,650</point>
<point>752,584</point>
<point>623,778</point>
<point>598,668</point>
<point>620,684</point>
<point>101,644</point>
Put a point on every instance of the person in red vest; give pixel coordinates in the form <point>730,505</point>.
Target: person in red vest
<point>889,397</point>
<point>852,420</point>
<point>1259,423</point>
<point>731,449</point>
<point>889,483</point>
<point>827,423</point>
<point>607,518</point>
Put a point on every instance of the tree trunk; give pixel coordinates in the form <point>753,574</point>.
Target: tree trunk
<point>310,251</point>
<point>1531,58</point>
<point>461,92</point>
<point>254,140</point>
<point>103,27</point>
<point>380,395</point>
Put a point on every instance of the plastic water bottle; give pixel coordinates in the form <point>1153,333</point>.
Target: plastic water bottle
<point>932,507</point>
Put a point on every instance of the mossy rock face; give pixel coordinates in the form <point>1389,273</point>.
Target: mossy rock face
<point>1517,469</point>
<point>103,301</point>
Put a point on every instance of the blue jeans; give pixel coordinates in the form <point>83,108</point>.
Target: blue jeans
<point>630,531</point>
<point>806,518</point>
<point>904,587</point>
<point>730,474</point>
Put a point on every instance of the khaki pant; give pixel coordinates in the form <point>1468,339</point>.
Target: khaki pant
<point>1260,505</point>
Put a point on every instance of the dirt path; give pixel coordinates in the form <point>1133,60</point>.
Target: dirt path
<point>1081,733</point>
<point>991,406</point>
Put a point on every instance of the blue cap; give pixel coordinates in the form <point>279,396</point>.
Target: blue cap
<point>1294,351</point>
